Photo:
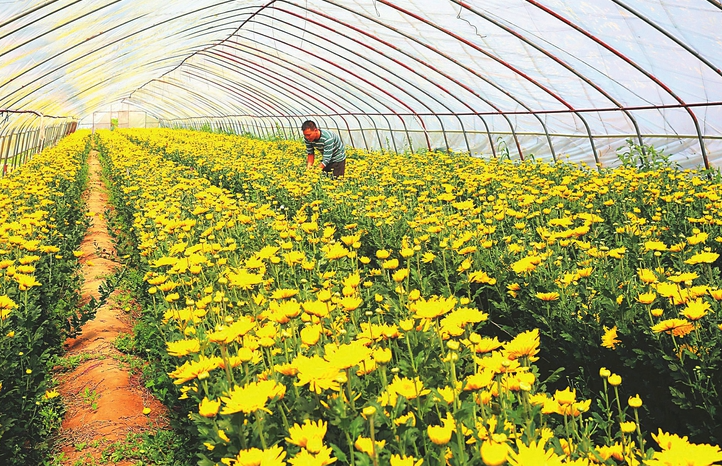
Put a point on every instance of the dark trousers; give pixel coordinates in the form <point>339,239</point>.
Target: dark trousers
<point>336,169</point>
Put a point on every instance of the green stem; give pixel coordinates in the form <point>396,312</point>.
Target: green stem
<point>446,272</point>
<point>640,437</point>
<point>374,456</point>
<point>608,409</point>
<point>259,426</point>
<point>350,448</point>
<point>411,354</point>
<point>349,390</point>
<point>566,429</point>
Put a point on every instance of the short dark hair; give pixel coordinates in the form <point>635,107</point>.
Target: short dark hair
<point>308,124</point>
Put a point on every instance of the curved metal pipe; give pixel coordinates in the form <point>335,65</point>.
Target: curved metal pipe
<point>360,78</point>
<point>428,143</point>
<point>463,86</point>
<point>561,63</point>
<point>630,62</point>
<point>235,91</point>
<point>496,59</point>
<point>293,68</point>
<point>271,2</point>
<point>231,58</point>
<point>60,26</point>
<point>235,88</point>
<point>391,46</point>
<point>268,79</point>
<point>408,68</point>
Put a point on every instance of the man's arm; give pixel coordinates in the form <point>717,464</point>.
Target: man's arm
<point>310,157</point>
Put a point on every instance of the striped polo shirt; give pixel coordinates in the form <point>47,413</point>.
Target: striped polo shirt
<point>329,145</point>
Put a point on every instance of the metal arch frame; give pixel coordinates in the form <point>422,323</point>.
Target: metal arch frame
<point>634,65</point>
<point>682,104</point>
<point>271,2</point>
<point>394,60</point>
<point>261,70</point>
<point>333,64</point>
<point>38,64</point>
<point>499,112</point>
<point>417,60</point>
<point>677,41</point>
<point>103,46</point>
<point>236,92</point>
<point>33,10</point>
<point>203,27</point>
<point>256,105</point>
<point>260,67</point>
<point>250,90</point>
<point>209,49</point>
<point>26,12</point>
<point>431,67</point>
<point>72,61</point>
<point>631,118</point>
<point>411,84</point>
<point>25,142</point>
<point>562,63</point>
<point>360,78</point>
<point>233,59</point>
<point>202,100</point>
<point>103,82</point>
<point>316,76</point>
<point>376,129</point>
<point>250,102</point>
<point>669,36</point>
<point>403,65</point>
<point>360,90</point>
<point>503,63</point>
<point>140,102</point>
<point>428,143</point>
<point>55,28</point>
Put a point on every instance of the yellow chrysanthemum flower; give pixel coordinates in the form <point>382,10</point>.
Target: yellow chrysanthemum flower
<point>252,397</point>
<point>609,339</point>
<point>702,258</point>
<point>525,344</point>
<point>534,453</point>
<point>676,327</point>
<point>208,408</point>
<point>309,436</point>
<point>366,445</point>
<point>183,347</point>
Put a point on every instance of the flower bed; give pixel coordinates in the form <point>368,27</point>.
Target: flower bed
<point>398,315</point>
<point>41,224</point>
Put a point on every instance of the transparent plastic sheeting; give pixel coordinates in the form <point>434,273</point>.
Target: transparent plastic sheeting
<point>556,79</point>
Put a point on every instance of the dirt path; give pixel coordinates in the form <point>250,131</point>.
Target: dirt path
<point>99,384</point>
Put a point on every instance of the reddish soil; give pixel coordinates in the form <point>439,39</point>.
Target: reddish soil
<point>104,400</point>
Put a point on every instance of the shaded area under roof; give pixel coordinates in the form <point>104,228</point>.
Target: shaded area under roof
<point>557,79</point>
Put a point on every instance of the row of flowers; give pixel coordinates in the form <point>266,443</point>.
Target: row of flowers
<point>315,321</point>
<point>41,224</point>
<point>615,267</point>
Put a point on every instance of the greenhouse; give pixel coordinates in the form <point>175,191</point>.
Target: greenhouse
<point>496,242</point>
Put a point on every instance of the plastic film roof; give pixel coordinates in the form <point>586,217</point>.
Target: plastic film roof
<point>553,78</point>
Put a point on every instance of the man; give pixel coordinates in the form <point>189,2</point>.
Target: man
<point>330,146</point>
